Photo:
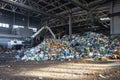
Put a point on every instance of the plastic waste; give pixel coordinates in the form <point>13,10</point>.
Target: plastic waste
<point>100,75</point>
<point>90,44</point>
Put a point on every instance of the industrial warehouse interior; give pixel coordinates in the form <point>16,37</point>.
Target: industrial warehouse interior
<point>59,39</point>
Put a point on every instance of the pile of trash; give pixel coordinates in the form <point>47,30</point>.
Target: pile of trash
<point>94,45</point>
<point>90,45</point>
<point>49,49</point>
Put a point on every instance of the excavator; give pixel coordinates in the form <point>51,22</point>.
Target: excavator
<point>17,42</point>
<point>35,39</point>
<point>44,27</point>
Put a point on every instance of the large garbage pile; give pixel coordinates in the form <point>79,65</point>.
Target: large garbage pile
<point>94,45</point>
<point>49,49</point>
<point>90,44</point>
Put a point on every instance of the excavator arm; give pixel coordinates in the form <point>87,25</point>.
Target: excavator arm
<point>44,27</point>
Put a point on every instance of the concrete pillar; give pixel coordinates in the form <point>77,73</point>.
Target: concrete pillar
<point>12,31</point>
<point>70,24</point>
<point>115,17</point>
<point>14,18</point>
<point>112,19</point>
<point>28,22</point>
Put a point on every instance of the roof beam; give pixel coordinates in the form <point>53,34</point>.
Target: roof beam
<point>97,2</point>
<point>77,2</point>
<point>30,8</point>
<point>58,7</point>
<point>52,4</point>
<point>91,4</point>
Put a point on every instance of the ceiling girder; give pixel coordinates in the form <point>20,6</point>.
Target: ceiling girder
<point>90,5</point>
<point>30,8</point>
<point>77,2</point>
<point>97,2</point>
<point>80,17</point>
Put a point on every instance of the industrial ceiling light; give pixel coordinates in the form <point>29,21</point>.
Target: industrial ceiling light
<point>105,19</point>
<point>13,0</point>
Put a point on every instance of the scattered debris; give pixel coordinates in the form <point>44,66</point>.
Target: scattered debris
<point>100,75</point>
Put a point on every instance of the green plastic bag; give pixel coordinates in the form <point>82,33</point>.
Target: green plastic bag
<point>37,59</point>
<point>32,59</point>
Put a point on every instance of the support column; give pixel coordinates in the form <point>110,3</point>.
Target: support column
<point>12,30</point>
<point>70,24</point>
<point>28,22</point>
<point>112,19</point>
<point>14,18</point>
<point>115,17</point>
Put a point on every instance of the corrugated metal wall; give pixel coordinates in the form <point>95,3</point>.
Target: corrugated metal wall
<point>4,42</point>
<point>7,17</point>
<point>115,20</point>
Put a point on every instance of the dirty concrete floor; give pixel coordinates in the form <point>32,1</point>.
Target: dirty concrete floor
<point>86,69</point>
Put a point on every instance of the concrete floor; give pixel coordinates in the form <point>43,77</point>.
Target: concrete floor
<point>85,69</point>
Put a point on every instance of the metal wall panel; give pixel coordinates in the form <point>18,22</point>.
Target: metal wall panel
<point>115,20</point>
<point>7,17</point>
